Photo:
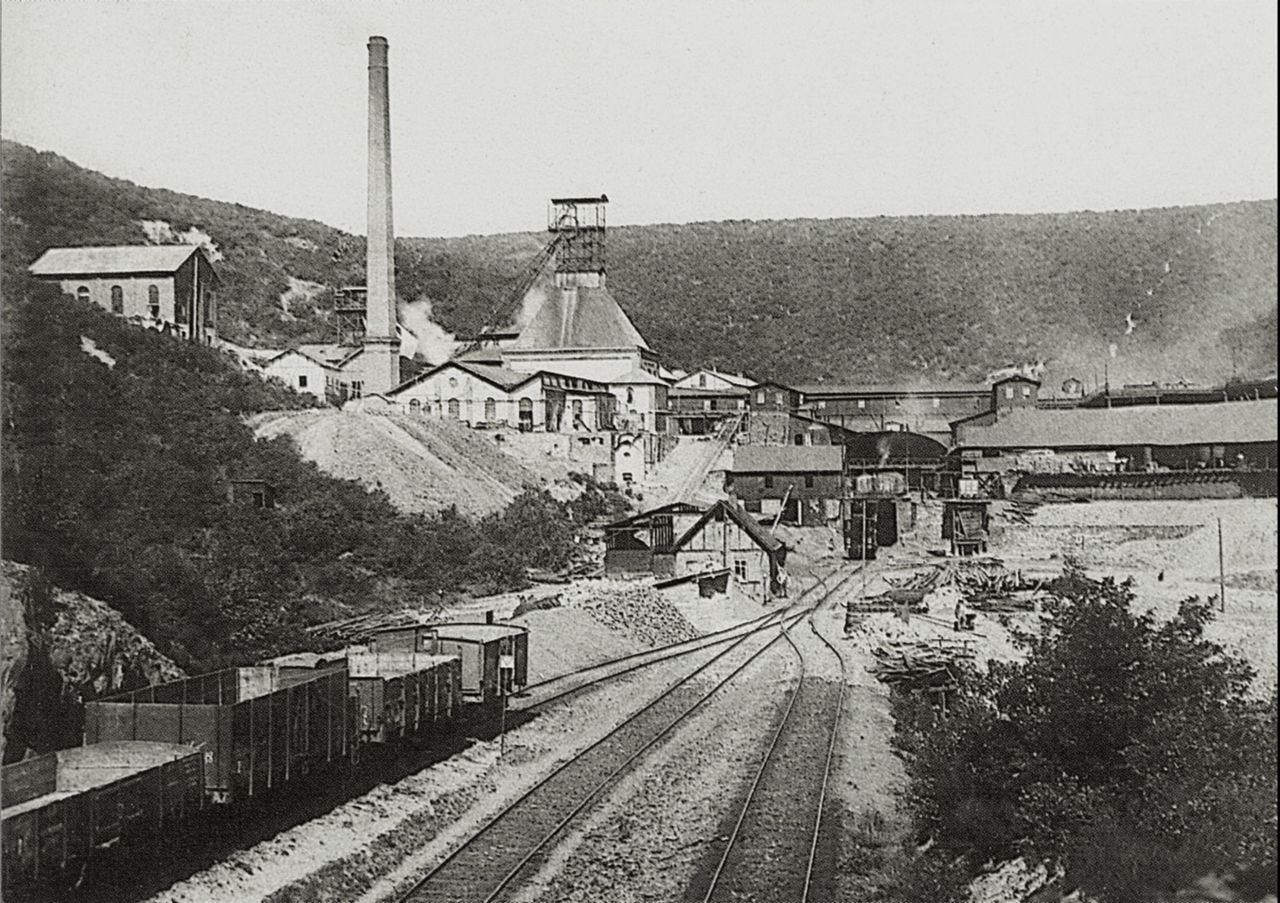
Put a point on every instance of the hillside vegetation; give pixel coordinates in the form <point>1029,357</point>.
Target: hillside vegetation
<point>937,297</point>
<point>117,456</point>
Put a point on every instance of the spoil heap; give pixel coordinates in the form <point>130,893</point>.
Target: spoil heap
<point>633,609</point>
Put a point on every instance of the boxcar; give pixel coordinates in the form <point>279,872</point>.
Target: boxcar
<point>59,808</point>
<point>259,730</point>
<point>402,694</point>
<point>480,646</point>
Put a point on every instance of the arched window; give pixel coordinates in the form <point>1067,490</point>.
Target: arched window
<point>82,293</point>
<point>455,409</point>
<point>117,299</point>
<point>490,410</point>
<point>153,301</point>
<point>415,406</point>
<point>631,396</point>
<point>577,407</point>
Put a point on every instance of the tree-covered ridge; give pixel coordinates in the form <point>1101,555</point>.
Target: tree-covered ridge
<point>888,298</point>
<point>115,473</point>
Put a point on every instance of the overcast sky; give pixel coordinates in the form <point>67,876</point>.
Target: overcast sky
<point>680,111</point>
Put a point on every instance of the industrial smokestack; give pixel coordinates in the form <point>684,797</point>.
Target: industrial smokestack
<point>381,343</point>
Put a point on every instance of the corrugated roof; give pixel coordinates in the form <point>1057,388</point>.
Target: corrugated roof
<point>762,537</point>
<point>1221,423</point>
<point>594,321</point>
<point>118,260</point>
<point>787,458</point>
<point>889,389</point>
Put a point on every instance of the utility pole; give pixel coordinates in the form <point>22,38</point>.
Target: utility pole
<point>1222,577</point>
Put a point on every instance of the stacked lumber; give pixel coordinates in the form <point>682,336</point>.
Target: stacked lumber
<point>347,631</point>
<point>920,665</point>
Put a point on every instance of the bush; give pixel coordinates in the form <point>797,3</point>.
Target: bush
<point>1127,750</point>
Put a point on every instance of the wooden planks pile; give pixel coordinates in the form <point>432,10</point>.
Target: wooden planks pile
<point>921,665</point>
<point>346,631</point>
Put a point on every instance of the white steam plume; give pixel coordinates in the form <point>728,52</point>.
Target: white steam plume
<point>429,339</point>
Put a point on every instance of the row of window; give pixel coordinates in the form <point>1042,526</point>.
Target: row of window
<point>809,481</point>
<point>117,299</point>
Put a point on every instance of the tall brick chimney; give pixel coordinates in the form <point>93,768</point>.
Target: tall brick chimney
<point>381,342</point>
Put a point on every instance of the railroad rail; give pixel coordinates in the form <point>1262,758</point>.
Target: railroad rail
<point>515,840</point>
<point>777,849</point>
<point>552,689</point>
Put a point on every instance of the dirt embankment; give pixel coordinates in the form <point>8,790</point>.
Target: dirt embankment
<point>62,648</point>
<point>423,465</point>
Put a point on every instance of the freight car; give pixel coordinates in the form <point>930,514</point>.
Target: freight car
<point>395,694</point>
<point>61,807</point>
<point>484,649</point>
<point>258,730</point>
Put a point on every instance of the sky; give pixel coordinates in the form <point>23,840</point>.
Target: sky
<point>679,111</point>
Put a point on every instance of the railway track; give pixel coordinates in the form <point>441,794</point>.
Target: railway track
<point>545,692</point>
<point>777,850</point>
<point>517,840</point>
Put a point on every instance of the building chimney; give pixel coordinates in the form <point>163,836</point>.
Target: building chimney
<point>382,370</point>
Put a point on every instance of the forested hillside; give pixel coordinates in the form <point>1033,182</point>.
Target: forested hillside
<point>119,443</point>
<point>1182,292</point>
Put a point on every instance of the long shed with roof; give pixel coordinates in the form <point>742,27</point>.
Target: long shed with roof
<point>1174,436</point>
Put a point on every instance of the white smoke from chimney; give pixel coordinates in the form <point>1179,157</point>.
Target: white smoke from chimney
<point>429,339</point>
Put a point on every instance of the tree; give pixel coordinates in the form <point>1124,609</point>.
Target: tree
<point>1127,750</point>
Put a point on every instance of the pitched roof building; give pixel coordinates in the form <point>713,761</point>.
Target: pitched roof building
<point>171,288</point>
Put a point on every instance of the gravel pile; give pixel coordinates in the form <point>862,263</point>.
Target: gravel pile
<point>633,609</point>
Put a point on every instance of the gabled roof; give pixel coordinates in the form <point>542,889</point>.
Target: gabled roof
<point>637,377</point>
<point>787,458</point>
<point>119,260</point>
<point>733,379</point>
<point>594,321</point>
<point>1016,378</point>
<point>724,509</point>
<point>288,351</point>
<point>1220,423</point>
<point>642,519</point>
<point>502,378</point>
<point>331,353</point>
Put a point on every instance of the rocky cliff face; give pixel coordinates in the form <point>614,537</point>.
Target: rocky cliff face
<point>60,649</point>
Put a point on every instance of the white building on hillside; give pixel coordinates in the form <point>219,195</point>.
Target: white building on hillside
<point>305,374</point>
<point>166,287</point>
<point>490,395</point>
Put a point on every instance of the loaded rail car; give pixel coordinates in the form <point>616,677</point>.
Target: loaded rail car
<point>259,730</point>
<point>403,694</point>
<point>62,807</point>
<point>480,646</point>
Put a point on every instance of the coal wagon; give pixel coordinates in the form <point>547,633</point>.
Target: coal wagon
<point>259,728</point>
<point>62,808</point>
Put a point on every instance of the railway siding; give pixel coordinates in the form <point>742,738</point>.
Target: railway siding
<point>515,842</point>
